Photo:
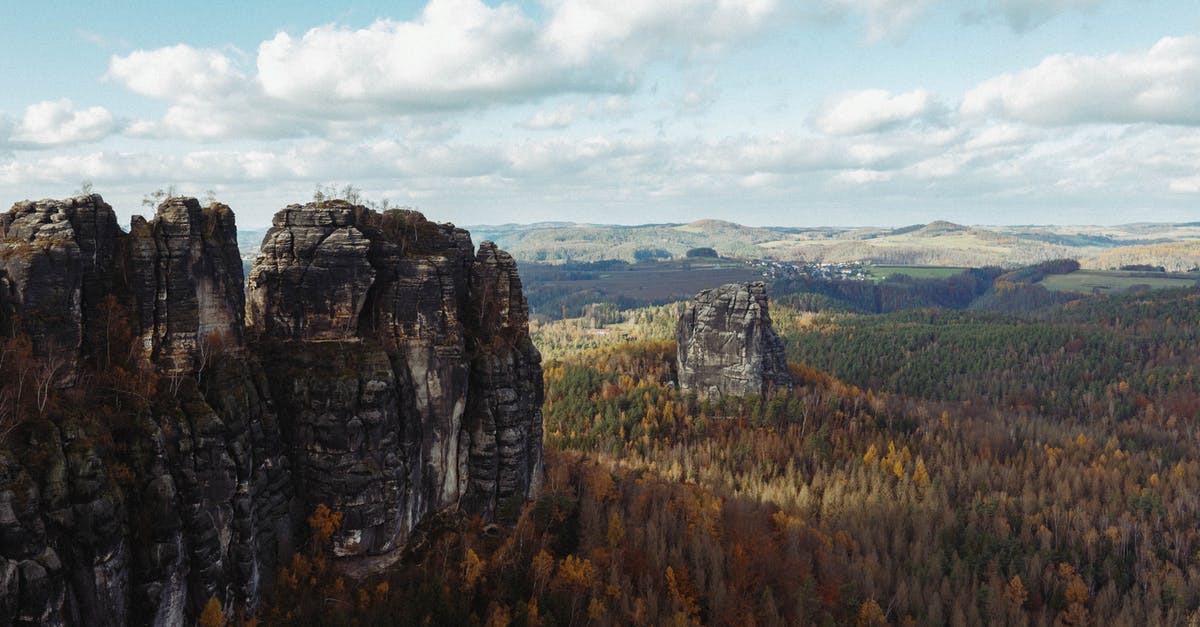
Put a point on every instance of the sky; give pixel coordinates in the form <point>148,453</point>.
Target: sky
<point>763,112</point>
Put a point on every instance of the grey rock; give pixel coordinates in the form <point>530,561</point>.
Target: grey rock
<point>400,356</point>
<point>388,374</point>
<point>727,345</point>
<point>201,502</point>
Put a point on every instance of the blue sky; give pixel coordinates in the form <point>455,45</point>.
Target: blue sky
<point>816,112</point>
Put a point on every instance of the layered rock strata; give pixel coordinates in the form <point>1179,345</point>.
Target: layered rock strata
<point>140,514</point>
<point>390,375</point>
<point>727,345</point>
<point>402,364</point>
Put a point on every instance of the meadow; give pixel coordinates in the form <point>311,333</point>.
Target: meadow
<point>879,273</point>
<point>1110,281</point>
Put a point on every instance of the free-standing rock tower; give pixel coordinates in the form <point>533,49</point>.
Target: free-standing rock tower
<point>727,345</point>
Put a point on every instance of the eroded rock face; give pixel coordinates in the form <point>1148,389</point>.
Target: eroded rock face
<point>403,358</point>
<point>727,345</point>
<point>186,275</point>
<point>388,374</point>
<point>141,514</point>
<point>58,257</point>
<point>178,277</point>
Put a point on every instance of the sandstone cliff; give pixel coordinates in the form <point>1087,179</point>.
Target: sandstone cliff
<point>727,345</point>
<point>172,454</point>
<point>402,364</point>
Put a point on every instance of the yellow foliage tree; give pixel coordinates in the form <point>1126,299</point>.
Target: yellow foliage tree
<point>576,572</point>
<point>531,614</point>
<point>870,614</point>
<point>596,609</point>
<point>616,531</point>
<point>1076,594</point>
<point>472,570</point>
<point>543,567</point>
<point>1015,591</point>
<point>213,615</point>
<point>920,475</point>
<point>324,522</point>
<point>871,455</point>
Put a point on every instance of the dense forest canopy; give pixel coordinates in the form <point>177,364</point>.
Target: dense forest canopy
<point>931,467</point>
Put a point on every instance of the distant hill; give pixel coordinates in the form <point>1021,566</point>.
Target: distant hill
<point>1175,246</point>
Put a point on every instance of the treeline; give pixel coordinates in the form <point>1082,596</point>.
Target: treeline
<point>895,293</point>
<point>1122,357</point>
<point>551,293</point>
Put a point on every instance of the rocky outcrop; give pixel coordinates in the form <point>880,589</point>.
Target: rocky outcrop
<point>403,368</point>
<point>159,480</point>
<point>178,277</point>
<point>387,373</point>
<point>58,258</point>
<point>187,283</point>
<point>727,345</point>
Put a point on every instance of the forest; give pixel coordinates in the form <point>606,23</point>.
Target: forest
<point>929,467</point>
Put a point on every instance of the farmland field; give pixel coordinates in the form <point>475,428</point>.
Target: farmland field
<point>1108,281</point>
<point>880,273</point>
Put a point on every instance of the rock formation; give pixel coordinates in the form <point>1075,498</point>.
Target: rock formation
<point>141,515</point>
<point>402,364</point>
<point>727,345</point>
<point>388,373</point>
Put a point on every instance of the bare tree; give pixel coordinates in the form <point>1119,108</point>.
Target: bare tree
<point>174,382</point>
<point>351,194</point>
<point>10,418</point>
<point>156,197</point>
<point>209,346</point>
<point>47,375</point>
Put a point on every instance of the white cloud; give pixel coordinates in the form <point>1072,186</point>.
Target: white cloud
<point>872,110</point>
<point>757,180</point>
<point>177,72</point>
<point>995,166</point>
<point>456,54</point>
<point>1186,185</point>
<point>57,122</point>
<point>584,29</point>
<point>884,19</point>
<point>862,177</point>
<point>464,53</point>
<point>561,117</point>
<point>998,135</point>
<point>1160,85</point>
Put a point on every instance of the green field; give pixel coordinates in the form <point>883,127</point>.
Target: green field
<point>1109,281</point>
<point>880,273</point>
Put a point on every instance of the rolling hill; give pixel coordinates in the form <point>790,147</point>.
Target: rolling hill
<point>1175,246</point>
